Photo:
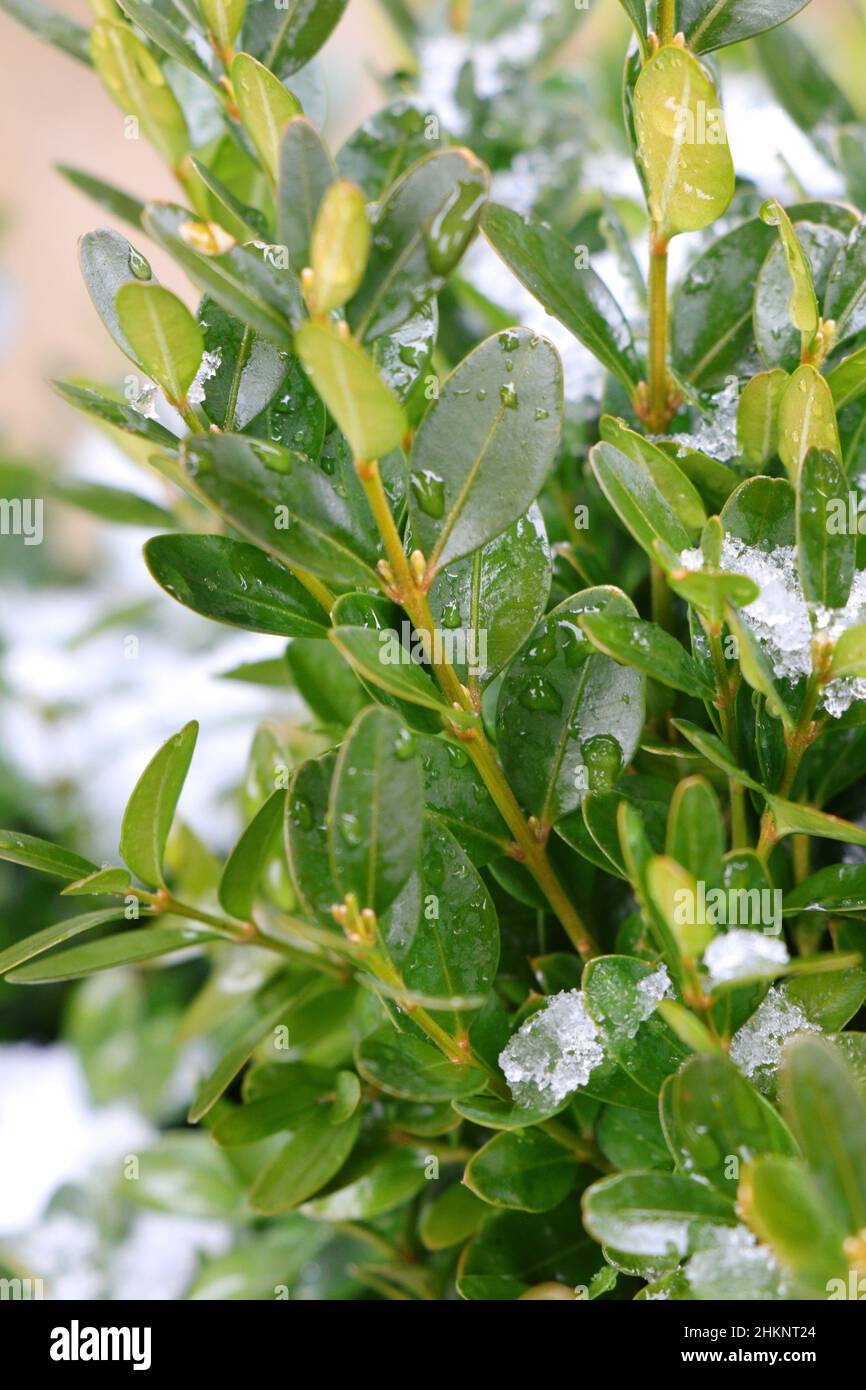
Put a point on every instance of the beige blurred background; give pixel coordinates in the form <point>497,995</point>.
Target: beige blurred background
<point>54,110</point>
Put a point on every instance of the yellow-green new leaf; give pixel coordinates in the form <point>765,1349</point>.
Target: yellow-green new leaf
<point>807,419</point>
<point>223,19</point>
<point>150,810</point>
<point>674,892</point>
<point>339,247</point>
<point>367,412</point>
<point>682,144</point>
<point>802,305</point>
<point>849,654</point>
<point>758,416</point>
<point>265,108</point>
<point>135,82</point>
<point>163,335</point>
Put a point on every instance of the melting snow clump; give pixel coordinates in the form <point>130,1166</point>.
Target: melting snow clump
<point>735,955</point>
<point>650,992</point>
<point>716,434</point>
<point>553,1053</point>
<point>756,1048</point>
<point>779,617</point>
<point>734,1267</point>
<point>208,367</point>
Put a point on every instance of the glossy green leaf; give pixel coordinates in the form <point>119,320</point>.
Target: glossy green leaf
<point>637,500</point>
<point>668,477</point>
<point>371,658</point>
<point>802,304</point>
<point>265,108</point>
<point>235,583</point>
<point>635,1036</point>
<point>248,860</point>
<point>108,261</point>
<point>306,172</point>
<point>712,1115</point>
<point>248,374</point>
<point>255,1021</point>
<point>825,552</point>
<point>847,381</point>
<point>421,229</point>
<point>114,200</point>
<point>647,648</point>
<point>454,791</point>
<point>124,948</point>
<point>164,335</point>
<point>682,143</point>
<point>568,719</point>
<point>710,24</point>
<point>100,881</point>
<point>807,420</point>
<point>316,1151</point>
<point>846,287</point>
<point>339,247</point>
<point>715,752</point>
<point>711,322</point>
<point>326,682</point>
<point>451,1218</point>
<point>695,835</point>
<point>247,281</point>
<point>783,300</point>
<point>371,1183</point>
<point>307,838</point>
<point>521,1169</point>
<point>135,82</point>
<point>123,417</point>
<point>223,19</point>
<point>758,416</point>
<point>375,810</point>
<point>787,1211</point>
<point>485,447</point>
<point>168,36</point>
<point>799,82</point>
<point>545,263</point>
<point>849,653</point>
<point>367,412</point>
<point>756,667</point>
<point>31,946</point>
<point>34,853</point>
<point>388,143</point>
<point>663,1216</point>
<point>288,505</point>
<point>410,1069</point>
<point>515,1251</point>
<point>761,513</point>
<point>828,1116</point>
<point>151,807</point>
<point>286,38</point>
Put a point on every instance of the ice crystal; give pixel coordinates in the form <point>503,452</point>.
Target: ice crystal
<point>734,1267</point>
<point>780,618</point>
<point>735,955</point>
<point>756,1048</point>
<point>553,1053</point>
<point>716,434</point>
<point>145,402</point>
<point>650,992</point>
<point>208,367</point>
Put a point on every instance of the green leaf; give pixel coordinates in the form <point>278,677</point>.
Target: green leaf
<point>826,553</point>
<point>636,11</point>
<point>441,931</point>
<point>758,416</point>
<point>108,261</point>
<point>523,1170</point>
<point>346,1098</point>
<point>696,835</point>
<point>794,819</point>
<point>123,417</point>
<point>421,229</point>
<point>238,886</point>
<point>52,27</point>
<point>274,1095</point>
<point>114,200</point>
<point>710,24</point>
<point>288,505</point>
<point>43,940</point>
<point>641,1043</point>
<point>247,282</point>
<point>761,513</point>
<point>306,172</point>
<point>711,324</point>
<point>648,648</point>
<point>235,583</point>
<point>215,198</point>
<point>386,145</point>
<point>807,420</point>
<point>249,375</point>
<point>367,412</point>
<point>662,1216</point>
<point>629,1139</point>
<point>371,1183</point>
<point>668,477</point>
<point>545,263</point>
<point>167,36</point>
<point>515,1251</point>
<point>100,881</point>
<point>799,82</point>
<point>375,810</point>
<point>135,82</point>
<point>307,837</point>
<point>715,752</point>
<point>326,682</point>
<point>846,287</point>
<point>637,500</point>
<point>34,853</point>
<point>285,39</point>
<point>682,143</point>
<point>802,304</point>
<point>186,1175</point>
<point>568,719</point>
<point>756,668</point>
<point>371,658</point>
<point>847,381</point>
<point>783,300</point>
<point>339,247</point>
<point>486,445</point>
<point>124,948</point>
<point>164,336</point>
<point>456,794</point>
<point>265,108</point>
<point>491,600</point>
<point>787,1211</point>
<point>828,1115</point>
<point>254,1021</point>
<point>223,19</point>
<point>837,888</point>
<point>315,1152</point>
<point>712,1114</point>
<point>150,810</point>
<point>849,653</point>
<point>669,884</point>
<point>410,1069</point>
<point>451,1218</point>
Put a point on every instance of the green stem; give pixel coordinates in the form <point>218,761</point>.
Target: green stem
<point>660,597</point>
<point>666,20</point>
<point>413,598</point>
<point>659,412</point>
<point>799,741</point>
<point>725,691</point>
